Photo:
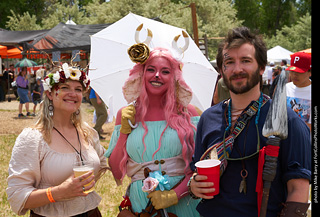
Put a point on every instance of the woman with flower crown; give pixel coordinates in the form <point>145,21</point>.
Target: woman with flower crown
<point>41,167</point>
<point>157,132</point>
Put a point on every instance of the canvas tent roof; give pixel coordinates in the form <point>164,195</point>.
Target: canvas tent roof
<point>64,37</point>
<point>277,54</point>
<point>12,38</point>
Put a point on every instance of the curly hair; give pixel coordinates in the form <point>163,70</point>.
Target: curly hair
<point>239,36</point>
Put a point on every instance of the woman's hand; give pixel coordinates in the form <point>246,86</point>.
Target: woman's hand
<point>199,188</point>
<point>73,187</point>
<point>127,113</point>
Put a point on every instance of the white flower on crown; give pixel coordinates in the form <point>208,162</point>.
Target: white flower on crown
<point>56,77</point>
<point>46,84</point>
<point>65,68</point>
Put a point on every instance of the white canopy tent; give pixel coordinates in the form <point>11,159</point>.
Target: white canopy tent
<point>277,54</point>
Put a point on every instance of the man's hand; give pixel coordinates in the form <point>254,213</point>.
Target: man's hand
<point>200,188</point>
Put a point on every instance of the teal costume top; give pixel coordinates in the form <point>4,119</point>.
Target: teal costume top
<point>170,147</point>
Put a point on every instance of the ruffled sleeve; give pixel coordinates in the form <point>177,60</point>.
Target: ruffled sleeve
<point>24,168</point>
<point>114,139</point>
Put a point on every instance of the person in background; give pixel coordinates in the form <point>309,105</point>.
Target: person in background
<point>222,91</point>
<point>270,72</point>
<point>101,111</point>
<point>276,71</point>
<point>299,90</point>
<point>36,94</point>
<point>2,85</point>
<point>23,91</point>
<point>41,177</point>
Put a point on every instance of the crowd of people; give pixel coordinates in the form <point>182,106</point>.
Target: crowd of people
<point>26,87</point>
<point>161,135</point>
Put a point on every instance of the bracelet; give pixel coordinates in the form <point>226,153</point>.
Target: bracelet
<point>190,192</point>
<point>49,195</point>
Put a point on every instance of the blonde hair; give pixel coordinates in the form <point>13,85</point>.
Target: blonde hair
<point>45,123</point>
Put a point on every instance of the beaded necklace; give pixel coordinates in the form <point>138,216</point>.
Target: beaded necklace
<point>256,124</point>
<point>243,172</point>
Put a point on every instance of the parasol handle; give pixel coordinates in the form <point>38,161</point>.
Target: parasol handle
<point>269,173</point>
<point>130,123</point>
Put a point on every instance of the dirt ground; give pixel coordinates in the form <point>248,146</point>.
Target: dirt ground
<point>11,124</point>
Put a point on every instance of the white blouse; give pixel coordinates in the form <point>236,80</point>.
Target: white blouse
<point>34,165</point>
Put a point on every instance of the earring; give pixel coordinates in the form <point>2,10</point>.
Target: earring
<point>50,108</point>
<point>78,112</point>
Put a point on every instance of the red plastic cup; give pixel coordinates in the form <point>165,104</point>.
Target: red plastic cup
<point>211,169</point>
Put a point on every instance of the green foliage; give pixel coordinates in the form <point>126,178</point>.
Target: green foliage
<point>214,18</point>
<point>273,18</point>
<point>294,38</point>
<point>61,12</point>
<point>22,22</point>
<point>268,16</point>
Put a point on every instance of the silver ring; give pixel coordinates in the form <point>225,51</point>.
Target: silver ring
<point>83,189</point>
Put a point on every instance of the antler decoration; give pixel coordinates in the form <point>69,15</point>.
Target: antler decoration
<point>148,39</point>
<point>175,45</point>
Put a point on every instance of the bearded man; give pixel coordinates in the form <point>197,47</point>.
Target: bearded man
<point>242,58</point>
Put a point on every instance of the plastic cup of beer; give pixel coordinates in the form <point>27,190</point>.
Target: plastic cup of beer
<point>211,169</point>
<point>82,167</point>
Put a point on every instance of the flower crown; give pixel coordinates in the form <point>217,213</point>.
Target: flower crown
<point>65,72</point>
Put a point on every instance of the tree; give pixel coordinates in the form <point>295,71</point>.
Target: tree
<point>23,22</point>
<point>62,12</point>
<point>294,38</point>
<point>214,18</point>
<point>268,16</point>
<point>34,7</point>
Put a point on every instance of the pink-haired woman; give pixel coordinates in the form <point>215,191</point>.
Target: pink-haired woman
<point>164,137</point>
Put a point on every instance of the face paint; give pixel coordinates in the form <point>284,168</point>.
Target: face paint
<point>57,89</point>
<point>225,57</point>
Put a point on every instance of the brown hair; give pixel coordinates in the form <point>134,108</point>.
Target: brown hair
<point>239,36</point>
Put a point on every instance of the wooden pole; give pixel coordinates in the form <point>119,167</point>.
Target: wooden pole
<point>194,23</point>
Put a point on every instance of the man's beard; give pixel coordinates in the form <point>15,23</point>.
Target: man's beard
<point>251,82</point>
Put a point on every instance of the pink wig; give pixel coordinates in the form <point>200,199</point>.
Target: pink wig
<point>175,101</point>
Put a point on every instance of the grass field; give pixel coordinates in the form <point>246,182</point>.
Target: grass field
<point>10,129</point>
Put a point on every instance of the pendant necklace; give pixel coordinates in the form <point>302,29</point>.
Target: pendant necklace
<point>244,172</point>
<point>78,152</point>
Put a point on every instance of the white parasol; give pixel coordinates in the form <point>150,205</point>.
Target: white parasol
<point>110,63</point>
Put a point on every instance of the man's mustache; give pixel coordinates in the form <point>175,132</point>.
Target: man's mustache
<point>237,76</point>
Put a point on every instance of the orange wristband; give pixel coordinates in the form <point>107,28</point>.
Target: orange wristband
<point>49,195</point>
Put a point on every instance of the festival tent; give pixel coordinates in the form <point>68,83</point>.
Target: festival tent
<point>66,37</point>
<point>277,54</point>
<point>6,53</point>
<point>19,38</point>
